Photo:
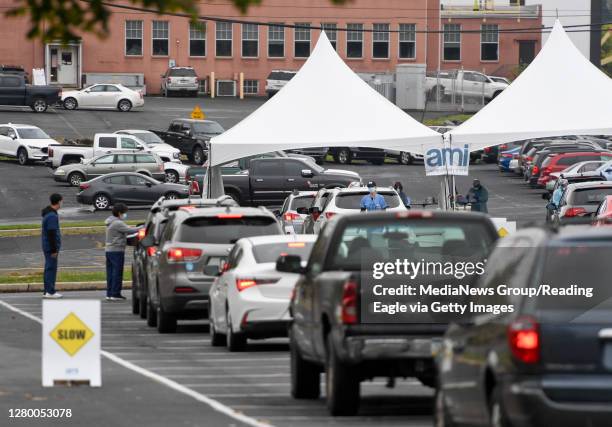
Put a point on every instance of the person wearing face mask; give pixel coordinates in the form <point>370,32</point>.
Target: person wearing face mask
<point>373,201</point>
<point>478,196</point>
<point>397,186</point>
<point>51,243</point>
<point>116,240</point>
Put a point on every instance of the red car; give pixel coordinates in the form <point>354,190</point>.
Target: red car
<point>562,161</point>
<point>603,216</point>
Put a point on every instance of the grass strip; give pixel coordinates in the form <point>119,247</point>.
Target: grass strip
<point>62,276</point>
<point>63,225</point>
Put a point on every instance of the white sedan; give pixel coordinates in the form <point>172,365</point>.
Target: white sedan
<point>250,299</point>
<point>103,96</point>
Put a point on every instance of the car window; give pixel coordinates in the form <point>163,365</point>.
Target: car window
<point>301,202</point>
<point>589,196</point>
<point>110,88</point>
<point>32,133</point>
<point>269,252</point>
<point>115,180</point>
<point>105,160</point>
<point>4,131</point>
<point>294,168</point>
<point>267,168</point>
<point>125,158</point>
<point>129,144</point>
<point>225,229</point>
<point>353,200</point>
<point>175,127</point>
<point>212,128</point>
<point>8,81</point>
<point>107,142</point>
<point>97,88</point>
<point>182,72</point>
<point>145,158</point>
<point>136,180</point>
<point>589,167</point>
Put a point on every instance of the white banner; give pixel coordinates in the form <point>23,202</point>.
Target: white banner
<point>447,160</point>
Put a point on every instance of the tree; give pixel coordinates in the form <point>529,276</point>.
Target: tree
<point>63,19</point>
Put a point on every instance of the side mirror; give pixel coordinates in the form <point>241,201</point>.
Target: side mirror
<point>306,173</point>
<point>149,184</point>
<point>289,264</point>
<point>276,213</point>
<point>302,210</point>
<point>87,91</point>
<point>212,270</point>
<point>546,196</point>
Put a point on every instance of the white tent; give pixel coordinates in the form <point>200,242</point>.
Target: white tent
<point>326,104</point>
<point>560,93</point>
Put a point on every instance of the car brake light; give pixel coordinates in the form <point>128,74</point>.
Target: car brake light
<point>151,250</point>
<point>487,150</point>
<point>506,155</point>
<point>141,233</point>
<point>535,170</point>
<point>225,267</point>
<point>524,340</point>
<point>183,254</point>
<point>547,170</point>
<point>229,216</point>
<point>296,244</point>
<point>184,290</point>
<point>242,284</point>
<point>290,216</point>
<point>414,214</point>
<point>84,186</point>
<point>572,212</point>
<point>349,303</point>
<point>50,152</point>
<point>329,215</point>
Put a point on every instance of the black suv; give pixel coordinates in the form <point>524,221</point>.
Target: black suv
<point>547,363</point>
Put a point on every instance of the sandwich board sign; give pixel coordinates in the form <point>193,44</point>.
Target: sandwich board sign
<point>504,227</point>
<point>71,342</point>
<point>197,113</point>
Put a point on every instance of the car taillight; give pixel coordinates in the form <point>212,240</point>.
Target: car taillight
<point>141,233</point>
<point>503,147</point>
<point>184,290</point>
<point>348,314</point>
<point>183,254</point>
<point>84,186</point>
<point>546,171</point>
<point>151,250</point>
<point>414,214</point>
<point>141,95</point>
<point>487,149</point>
<point>528,158</point>
<point>524,340</point>
<point>290,216</point>
<point>515,156</point>
<point>329,215</point>
<point>242,284</point>
<point>535,170</point>
<point>194,187</point>
<point>506,155</point>
<point>50,152</point>
<point>229,216</point>
<point>572,212</point>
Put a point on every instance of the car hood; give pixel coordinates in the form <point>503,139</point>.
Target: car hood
<point>341,172</point>
<point>40,143</point>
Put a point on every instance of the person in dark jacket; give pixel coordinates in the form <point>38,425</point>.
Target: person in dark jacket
<point>51,244</point>
<point>116,240</point>
<point>478,196</point>
<point>397,186</point>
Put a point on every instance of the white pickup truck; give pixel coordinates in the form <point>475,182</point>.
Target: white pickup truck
<point>462,82</point>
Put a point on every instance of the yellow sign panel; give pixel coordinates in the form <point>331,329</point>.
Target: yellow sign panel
<point>502,232</point>
<point>197,113</point>
<point>71,334</point>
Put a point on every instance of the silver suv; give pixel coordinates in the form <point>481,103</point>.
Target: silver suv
<point>180,79</point>
<point>191,253</point>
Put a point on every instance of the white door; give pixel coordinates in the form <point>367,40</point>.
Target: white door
<point>5,141</point>
<point>92,96</point>
<point>111,96</point>
<point>67,65</point>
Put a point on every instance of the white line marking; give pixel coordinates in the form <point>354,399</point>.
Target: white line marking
<point>215,385</point>
<point>214,404</point>
<point>215,368</point>
<point>225,376</point>
<point>284,359</point>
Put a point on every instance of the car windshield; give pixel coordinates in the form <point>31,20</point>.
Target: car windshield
<point>589,196</point>
<point>212,128</point>
<point>353,200</point>
<point>148,138</point>
<point>32,133</point>
<point>389,239</point>
<point>223,229</point>
<point>182,72</point>
<point>269,252</point>
<point>301,202</point>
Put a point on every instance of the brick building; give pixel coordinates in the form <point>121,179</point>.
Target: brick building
<point>147,43</point>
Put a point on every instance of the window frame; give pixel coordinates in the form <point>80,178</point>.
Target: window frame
<point>243,40</point>
<point>483,33</point>
<point>388,42</point>
<point>400,41</point>
<point>358,29</point>
<point>278,26</point>
<point>125,37</point>
<point>256,87</point>
<point>446,32</point>
<point>153,38</point>
<point>192,31</point>
<point>331,27</point>
<point>231,39</point>
<point>296,40</point>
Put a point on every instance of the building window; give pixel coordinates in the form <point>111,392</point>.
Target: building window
<point>251,87</point>
<point>302,40</point>
<point>452,42</point>
<point>160,38</point>
<point>250,40</point>
<point>223,45</point>
<point>331,31</point>
<point>407,41</point>
<point>133,38</point>
<point>354,41</point>
<point>489,42</point>
<point>197,39</point>
<point>276,40</point>
<point>380,41</point>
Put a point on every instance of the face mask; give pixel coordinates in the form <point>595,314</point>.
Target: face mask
<point>123,216</point>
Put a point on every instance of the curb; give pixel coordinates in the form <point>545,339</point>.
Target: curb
<point>60,287</point>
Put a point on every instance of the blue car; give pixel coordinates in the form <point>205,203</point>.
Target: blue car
<point>505,157</point>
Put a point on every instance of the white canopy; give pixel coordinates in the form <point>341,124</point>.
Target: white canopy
<point>560,93</point>
<point>326,104</point>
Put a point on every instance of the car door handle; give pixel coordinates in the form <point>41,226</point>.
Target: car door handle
<point>259,180</point>
<point>290,179</point>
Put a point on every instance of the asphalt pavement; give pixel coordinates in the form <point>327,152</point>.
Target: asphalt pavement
<point>176,379</point>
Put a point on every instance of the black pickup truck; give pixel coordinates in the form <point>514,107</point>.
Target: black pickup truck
<point>15,91</point>
<point>329,331</point>
<point>191,137</point>
<point>268,181</point>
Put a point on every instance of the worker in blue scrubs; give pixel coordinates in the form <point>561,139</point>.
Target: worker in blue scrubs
<point>373,201</point>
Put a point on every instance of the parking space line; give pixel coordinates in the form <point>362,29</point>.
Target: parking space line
<point>284,359</point>
<point>215,368</point>
<point>225,376</point>
<point>208,400</point>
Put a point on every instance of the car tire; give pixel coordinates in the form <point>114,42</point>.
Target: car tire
<point>377,162</point>
<point>341,384</point>
<point>166,322</point>
<point>22,156</point>
<point>39,105</point>
<point>216,339</point>
<point>405,158</point>
<point>497,412</point>
<point>343,156</point>
<point>70,103</point>
<point>441,416</point>
<point>101,202</point>
<point>142,311</point>
<point>197,156</point>
<point>135,300</point>
<point>172,177</point>
<point>124,105</point>
<point>171,195</point>
<point>75,179</point>
<point>151,314</point>
<point>305,375</point>
<point>235,341</point>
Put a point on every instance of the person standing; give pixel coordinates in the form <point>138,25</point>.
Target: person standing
<point>51,244</point>
<point>373,201</point>
<point>116,240</point>
<point>478,196</point>
<point>397,186</point>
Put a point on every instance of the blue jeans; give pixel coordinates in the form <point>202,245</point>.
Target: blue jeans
<point>50,273</point>
<point>114,273</point>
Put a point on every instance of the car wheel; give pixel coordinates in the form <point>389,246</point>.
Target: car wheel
<point>441,415</point>
<point>135,300</point>
<point>39,105</point>
<point>344,156</point>
<point>216,339</point>
<point>22,156</point>
<point>497,413</point>
<point>75,179</point>
<point>166,322</point>
<point>172,177</point>
<point>341,385</point>
<point>124,105</point>
<point>70,104</point>
<point>171,196</point>
<point>101,202</point>
<point>235,341</point>
<point>305,376</point>
<point>151,314</point>
<point>406,158</point>
<point>143,307</point>
<point>198,155</point>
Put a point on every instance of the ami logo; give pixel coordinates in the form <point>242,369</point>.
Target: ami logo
<point>437,157</point>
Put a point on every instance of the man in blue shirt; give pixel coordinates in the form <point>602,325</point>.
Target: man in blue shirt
<point>51,243</point>
<point>373,201</point>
